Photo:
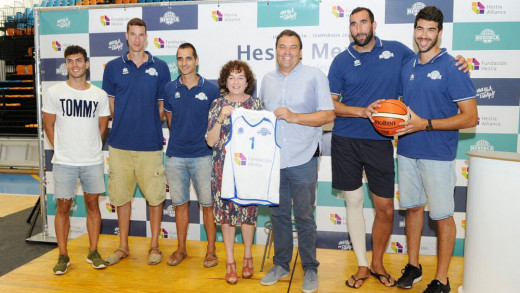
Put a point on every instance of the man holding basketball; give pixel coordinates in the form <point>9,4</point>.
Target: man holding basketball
<point>441,101</point>
<point>364,74</point>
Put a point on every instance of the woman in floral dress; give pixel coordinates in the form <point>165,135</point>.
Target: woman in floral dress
<point>236,84</point>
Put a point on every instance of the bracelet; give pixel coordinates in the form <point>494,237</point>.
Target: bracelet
<point>220,122</point>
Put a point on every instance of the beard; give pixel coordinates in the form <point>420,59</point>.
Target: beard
<point>368,38</point>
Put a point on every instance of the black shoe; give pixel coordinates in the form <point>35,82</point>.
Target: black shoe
<point>437,287</point>
<point>411,275</point>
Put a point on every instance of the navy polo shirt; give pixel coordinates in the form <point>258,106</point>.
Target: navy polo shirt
<point>136,124</point>
<point>432,91</point>
<point>189,108</point>
<point>362,78</point>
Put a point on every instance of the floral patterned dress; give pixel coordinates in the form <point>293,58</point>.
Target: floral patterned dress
<point>228,212</point>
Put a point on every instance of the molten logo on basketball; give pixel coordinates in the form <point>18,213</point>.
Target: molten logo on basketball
<point>390,114</point>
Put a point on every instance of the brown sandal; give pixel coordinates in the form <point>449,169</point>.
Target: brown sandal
<point>231,277</point>
<point>174,258</point>
<point>248,271</point>
<point>210,260</point>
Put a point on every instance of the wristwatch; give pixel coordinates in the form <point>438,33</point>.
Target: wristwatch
<point>429,127</point>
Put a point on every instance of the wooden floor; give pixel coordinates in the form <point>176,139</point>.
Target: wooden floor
<point>11,203</point>
<point>134,275</point>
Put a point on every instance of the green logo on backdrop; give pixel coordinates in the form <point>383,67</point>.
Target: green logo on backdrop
<point>64,22</point>
<point>486,36</point>
<point>469,142</point>
<point>290,13</point>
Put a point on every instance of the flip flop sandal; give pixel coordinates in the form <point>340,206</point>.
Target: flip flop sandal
<point>380,276</point>
<point>154,258</point>
<point>355,281</point>
<point>115,258</point>
<point>173,260</point>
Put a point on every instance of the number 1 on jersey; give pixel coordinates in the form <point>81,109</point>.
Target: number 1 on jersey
<point>252,139</point>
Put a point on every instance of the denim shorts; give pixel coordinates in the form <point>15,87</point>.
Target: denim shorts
<point>420,179</point>
<point>179,171</point>
<point>92,179</point>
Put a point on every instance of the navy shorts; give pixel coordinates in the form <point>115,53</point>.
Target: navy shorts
<point>351,155</point>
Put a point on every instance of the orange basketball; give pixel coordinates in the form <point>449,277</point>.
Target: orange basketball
<point>388,117</point>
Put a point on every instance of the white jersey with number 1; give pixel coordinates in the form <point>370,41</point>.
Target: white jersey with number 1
<point>251,174</point>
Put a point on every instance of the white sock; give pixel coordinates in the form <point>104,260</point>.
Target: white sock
<point>356,224</point>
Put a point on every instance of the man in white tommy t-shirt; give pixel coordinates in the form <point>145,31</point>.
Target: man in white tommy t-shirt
<point>75,119</point>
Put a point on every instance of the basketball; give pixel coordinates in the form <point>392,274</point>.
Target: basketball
<point>388,117</point>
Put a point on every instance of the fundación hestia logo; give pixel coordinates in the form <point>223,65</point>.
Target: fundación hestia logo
<point>110,208</point>
<point>337,11</point>
<point>416,7</point>
<point>56,46</point>
<point>464,172</point>
<point>240,159</point>
<point>473,64</point>
<point>105,21</point>
<point>335,219</point>
<point>397,247</point>
<point>158,42</point>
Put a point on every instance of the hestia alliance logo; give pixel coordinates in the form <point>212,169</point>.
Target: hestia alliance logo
<point>264,132</point>
<point>62,70</point>
<point>487,36</point>
<point>201,96</point>
<point>477,7</point>
<point>63,23</point>
<point>216,15</point>
<point>335,219</point>
<point>338,12</point>
<point>386,55</point>
<point>464,172</point>
<point>482,145</point>
<point>473,64</point>
<point>434,75</point>
<point>163,234</point>
<point>486,92</point>
<point>110,208</point>
<point>152,72</point>
<point>240,159</point>
<point>115,45</point>
<point>158,42</point>
<point>288,14</point>
<point>344,245</point>
<point>105,21</point>
<point>416,7</point>
<point>397,247</point>
<point>56,46</point>
<point>169,18</point>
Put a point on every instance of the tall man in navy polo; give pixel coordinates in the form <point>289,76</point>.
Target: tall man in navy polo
<point>135,83</point>
<point>441,101</point>
<point>186,103</point>
<point>367,72</point>
<point>299,96</point>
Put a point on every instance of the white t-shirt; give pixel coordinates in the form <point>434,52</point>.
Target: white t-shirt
<point>77,141</point>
